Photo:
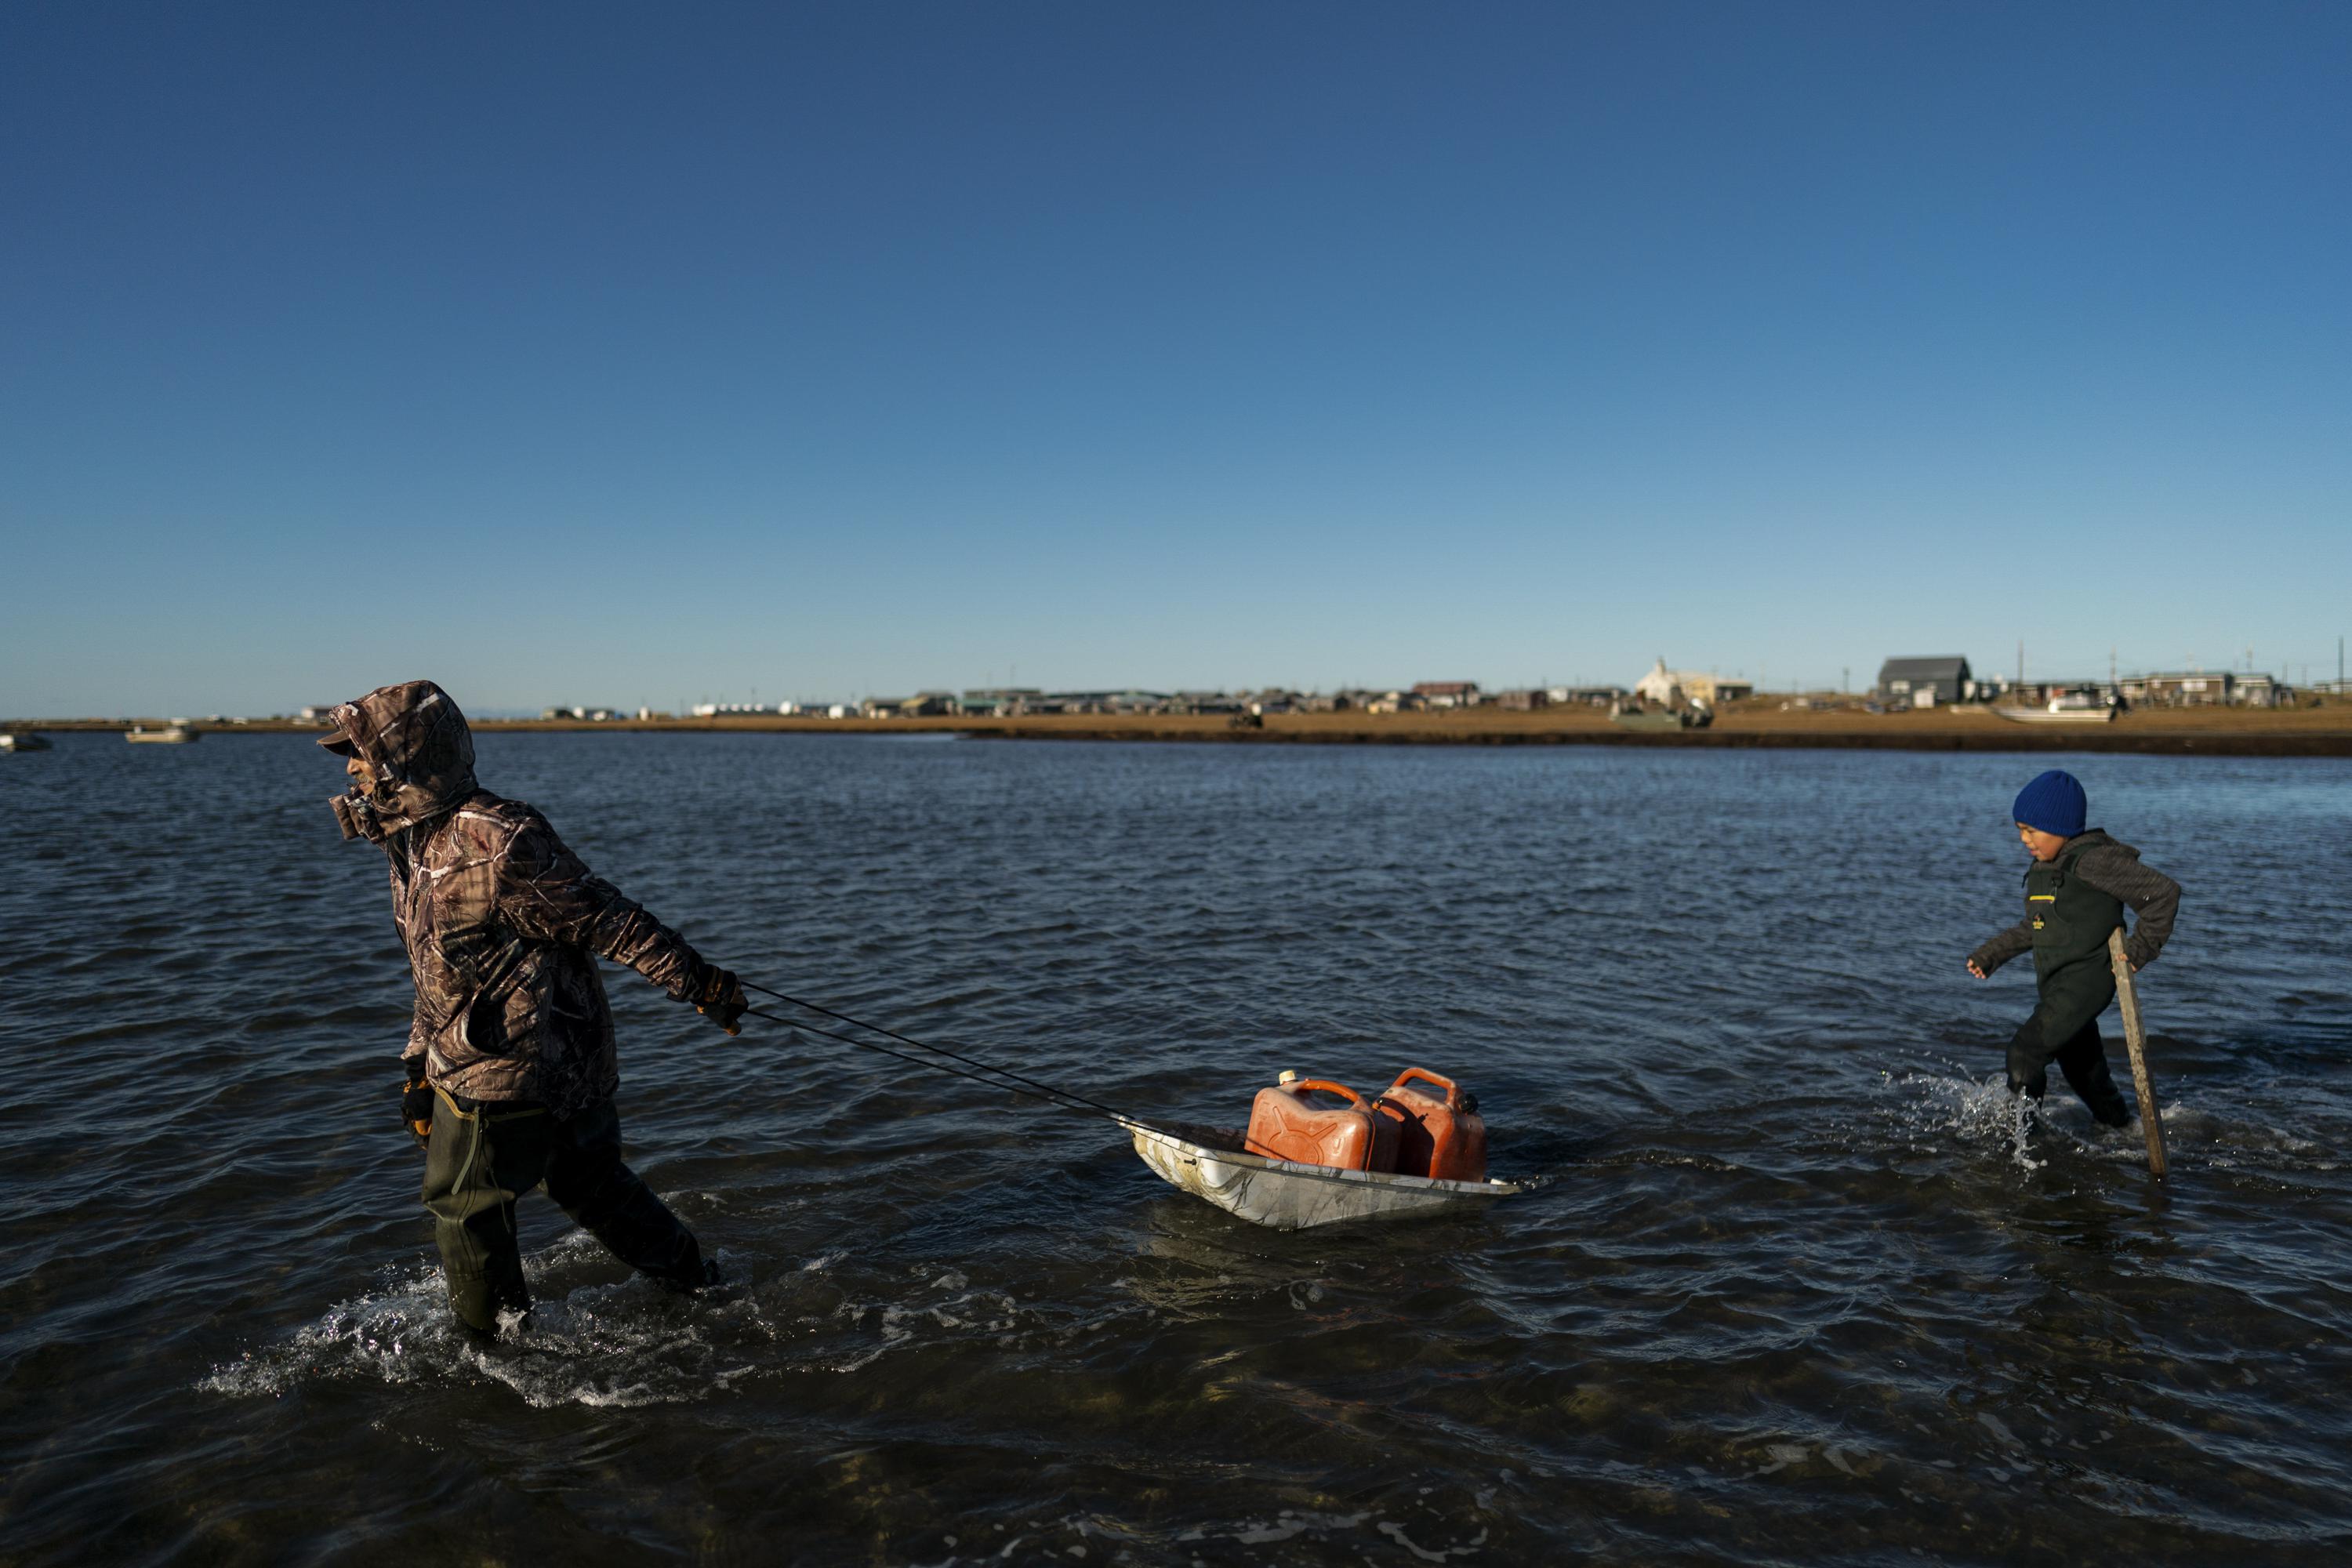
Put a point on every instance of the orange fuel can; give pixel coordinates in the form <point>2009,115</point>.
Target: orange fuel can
<point>1439,1134</point>
<point>1285,1125</point>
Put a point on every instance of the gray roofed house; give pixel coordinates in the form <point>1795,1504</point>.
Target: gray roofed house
<point>1924,682</point>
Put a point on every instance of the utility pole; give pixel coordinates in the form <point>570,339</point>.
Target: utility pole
<point>2020,662</point>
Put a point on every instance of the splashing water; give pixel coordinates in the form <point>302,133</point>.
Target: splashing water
<point>603,1346</point>
<point>633,1343</point>
<point>1934,1109</point>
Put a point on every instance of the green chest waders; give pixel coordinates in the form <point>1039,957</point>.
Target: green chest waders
<point>480,1158</point>
<point>2071,920</point>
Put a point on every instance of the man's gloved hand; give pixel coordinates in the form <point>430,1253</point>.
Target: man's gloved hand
<point>416,1102</point>
<point>721,999</point>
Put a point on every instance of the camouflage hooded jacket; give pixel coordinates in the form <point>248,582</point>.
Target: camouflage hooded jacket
<point>502,924</point>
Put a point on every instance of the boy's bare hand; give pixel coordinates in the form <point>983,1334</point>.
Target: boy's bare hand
<point>1977,970</point>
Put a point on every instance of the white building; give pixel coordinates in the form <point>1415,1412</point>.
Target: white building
<point>1668,686</point>
<point>1662,686</point>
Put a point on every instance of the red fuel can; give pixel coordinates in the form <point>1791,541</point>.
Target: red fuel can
<point>1439,1134</point>
<point>1285,1125</point>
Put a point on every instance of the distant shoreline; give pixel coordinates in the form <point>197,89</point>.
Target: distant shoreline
<point>2322,732</point>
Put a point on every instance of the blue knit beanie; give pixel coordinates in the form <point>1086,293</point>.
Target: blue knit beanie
<point>2053,803</point>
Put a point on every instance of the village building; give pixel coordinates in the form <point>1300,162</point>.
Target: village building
<point>922,705</point>
<point>2254,689</point>
<point>2195,689</point>
<point>1447,693</point>
<point>1204,702</point>
<point>1000,702</point>
<point>1661,686</point>
<point>2108,691</point>
<point>1275,699</point>
<point>1927,682</point>
<point>1671,688</point>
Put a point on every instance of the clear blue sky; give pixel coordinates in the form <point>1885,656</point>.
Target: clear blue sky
<point>639,353</point>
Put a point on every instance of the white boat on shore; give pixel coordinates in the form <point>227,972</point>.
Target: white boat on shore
<point>2062,711</point>
<point>1283,1194</point>
<point>23,741</point>
<point>169,735</point>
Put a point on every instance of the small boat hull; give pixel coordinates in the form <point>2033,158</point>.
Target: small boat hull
<point>2057,715</point>
<point>1685,718</point>
<point>1281,1194</point>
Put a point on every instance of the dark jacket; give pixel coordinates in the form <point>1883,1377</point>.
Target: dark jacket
<point>2114,868</point>
<point>502,924</point>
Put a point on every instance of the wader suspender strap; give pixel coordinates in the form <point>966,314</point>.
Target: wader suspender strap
<point>451,1101</point>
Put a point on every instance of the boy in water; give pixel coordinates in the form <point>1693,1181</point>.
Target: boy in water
<point>509,1062</point>
<point>2075,891</point>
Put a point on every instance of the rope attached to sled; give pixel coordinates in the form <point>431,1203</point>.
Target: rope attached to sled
<point>973,1067</point>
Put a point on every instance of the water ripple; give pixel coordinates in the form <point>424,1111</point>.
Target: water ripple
<point>1805,1286</point>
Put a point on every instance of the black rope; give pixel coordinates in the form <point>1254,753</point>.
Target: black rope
<point>798,1026</point>
<point>1069,1099</point>
<point>1059,1098</point>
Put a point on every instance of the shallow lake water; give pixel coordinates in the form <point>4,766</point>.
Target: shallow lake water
<point>1803,1290</point>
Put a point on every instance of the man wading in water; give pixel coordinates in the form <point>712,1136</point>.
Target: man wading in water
<point>511,1066</point>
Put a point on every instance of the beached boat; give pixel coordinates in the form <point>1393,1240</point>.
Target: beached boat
<point>1636,716</point>
<point>1284,1194</point>
<point>169,735</point>
<point>21,740</point>
<point>2068,710</point>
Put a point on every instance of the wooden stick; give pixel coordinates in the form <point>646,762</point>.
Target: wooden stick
<point>2151,1125</point>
